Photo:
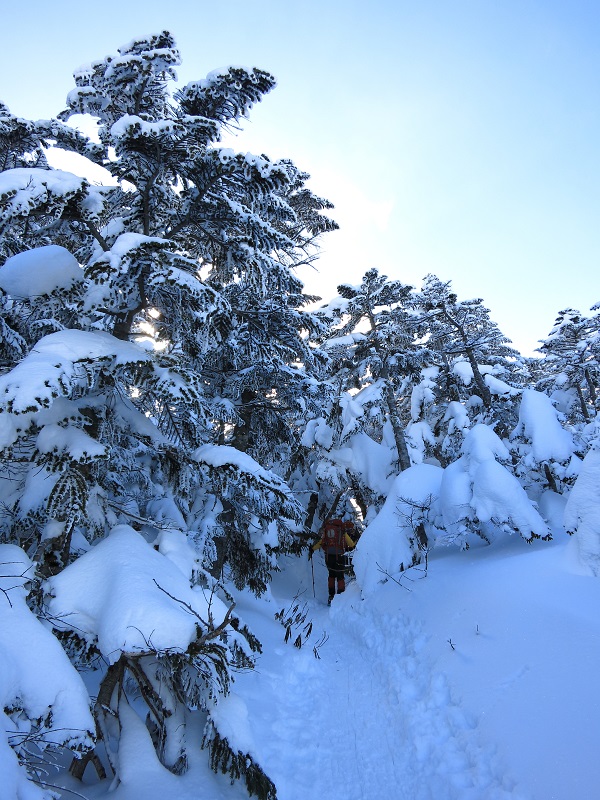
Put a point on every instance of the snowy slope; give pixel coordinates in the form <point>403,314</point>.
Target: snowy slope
<point>476,682</point>
<point>526,636</point>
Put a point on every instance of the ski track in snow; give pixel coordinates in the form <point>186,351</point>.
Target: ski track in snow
<point>365,719</point>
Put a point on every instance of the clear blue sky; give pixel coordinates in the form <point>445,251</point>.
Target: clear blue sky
<point>460,137</point>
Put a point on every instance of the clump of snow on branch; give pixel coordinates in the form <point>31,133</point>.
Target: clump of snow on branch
<point>538,423</point>
<point>24,191</point>
<point>318,432</point>
<point>422,394</point>
<point>151,608</point>
<point>54,368</point>
<point>463,371</point>
<point>226,456</point>
<point>39,271</point>
<point>230,715</point>
<point>360,456</point>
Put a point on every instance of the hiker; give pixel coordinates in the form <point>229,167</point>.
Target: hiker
<point>335,542</point>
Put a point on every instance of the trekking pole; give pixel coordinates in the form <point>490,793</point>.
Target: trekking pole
<point>312,566</point>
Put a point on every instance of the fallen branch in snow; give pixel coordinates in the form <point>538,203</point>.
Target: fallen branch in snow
<point>324,638</point>
<point>226,759</point>
<point>17,585</point>
<point>78,766</point>
<point>148,692</point>
<point>415,520</point>
<point>391,577</point>
<point>34,748</point>
<point>61,789</point>
<point>295,617</point>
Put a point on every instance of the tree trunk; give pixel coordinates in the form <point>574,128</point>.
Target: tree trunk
<point>550,479</point>
<point>360,500</point>
<point>78,766</point>
<point>311,511</point>
<point>451,384</point>
<point>401,448</point>
<point>421,535</point>
<point>329,512</point>
<point>124,321</point>
<point>582,403</point>
<point>242,438</point>
<point>110,682</point>
<point>591,387</point>
<point>123,325</point>
<point>484,391</point>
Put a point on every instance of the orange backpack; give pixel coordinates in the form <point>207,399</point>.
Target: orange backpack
<point>333,540</point>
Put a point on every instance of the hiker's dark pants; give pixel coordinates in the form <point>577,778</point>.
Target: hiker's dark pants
<point>336,563</point>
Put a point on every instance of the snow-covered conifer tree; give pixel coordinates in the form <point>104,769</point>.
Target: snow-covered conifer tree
<point>477,372</point>
<point>387,353</point>
<point>571,361</point>
<point>358,441</point>
<point>543,446</point>
<point>148,378</point>
<point>479,494</point>
<point>461,328</point>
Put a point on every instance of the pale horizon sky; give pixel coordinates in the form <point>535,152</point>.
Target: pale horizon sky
<point>459,137</point>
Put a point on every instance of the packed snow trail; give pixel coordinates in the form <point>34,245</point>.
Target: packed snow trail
<point>512,628</point>
<point>364,719</point>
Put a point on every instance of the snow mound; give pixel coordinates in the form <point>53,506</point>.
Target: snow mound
<point>46,697</point>
<point>582,512</point>
<point>39,272</point>
<point>129,598</point>
<point>538,422</point>
<point>384,548</point>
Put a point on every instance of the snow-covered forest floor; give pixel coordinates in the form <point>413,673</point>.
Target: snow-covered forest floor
<point>476,681</point>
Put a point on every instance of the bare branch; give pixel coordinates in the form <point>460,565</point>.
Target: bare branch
<point>212,633</point>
